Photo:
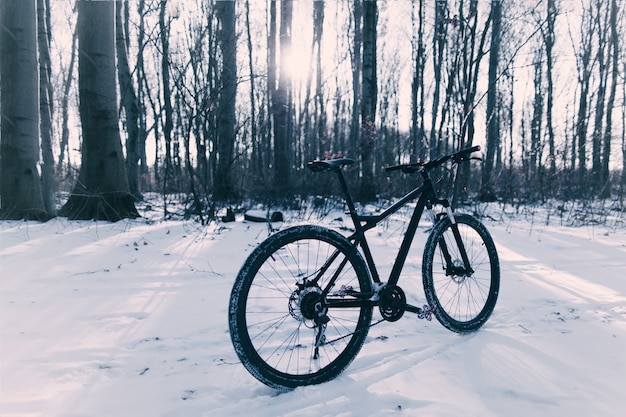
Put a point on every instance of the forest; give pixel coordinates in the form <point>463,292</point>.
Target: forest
<point>223,103</point>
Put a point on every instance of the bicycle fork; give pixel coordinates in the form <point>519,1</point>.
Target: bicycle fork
<point>452,268</point>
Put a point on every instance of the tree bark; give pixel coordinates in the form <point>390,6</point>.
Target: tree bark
<point>357,65</point>
<point>20,187</point>
<point>584,76</point>
<point>418,110</point>
<point>282,105</point>
<point>102,191</point>
<point>493,125</point>
<point>168,120</point>
<point>369,97</point>
<point>65,105</point>
<point>610,105</point>
<point>257,150</point>
<point>227,38</point>
<point>601,59</point>
<point>129,103</point>
<point>549,39</point>
<point>320,110</point>
<point>48,181</point>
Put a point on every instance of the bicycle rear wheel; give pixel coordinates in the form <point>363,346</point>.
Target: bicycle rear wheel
<point>287,327</point>
<point>463,300</point>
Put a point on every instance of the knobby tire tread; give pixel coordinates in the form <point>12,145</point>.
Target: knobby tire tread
<point>250,274</point>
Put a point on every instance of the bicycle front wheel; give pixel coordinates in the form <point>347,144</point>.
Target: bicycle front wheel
<point>299,310</point>
<point>464,298</point>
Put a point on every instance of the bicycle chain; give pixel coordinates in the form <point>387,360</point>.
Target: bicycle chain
<point>426,314</point>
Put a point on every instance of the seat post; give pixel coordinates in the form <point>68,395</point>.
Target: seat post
<point>349,200</point>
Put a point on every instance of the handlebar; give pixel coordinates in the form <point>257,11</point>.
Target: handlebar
<point>461,156</point>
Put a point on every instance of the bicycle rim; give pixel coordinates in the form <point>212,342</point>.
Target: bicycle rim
<point>464,301</point>
<point>280,337</point>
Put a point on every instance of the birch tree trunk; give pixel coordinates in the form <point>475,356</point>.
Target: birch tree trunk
<point>20,187</point>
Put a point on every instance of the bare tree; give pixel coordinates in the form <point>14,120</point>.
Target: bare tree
<point>282,105</point>
<point>320,110</point>
<point>549,39</point>
<point>101,191</point>
<point>602,57</point>
<point>48,182</point>
<point>20,187</point>
<point>493,122</point>
<point>129,101</point>
<point>227,38</point>
<point>68,78</point>
<point>369,97</point>
<point>357,65</point>
<point>168,119</point>
<point>438,56</point>
<point>615,81</point>
<point>584,67</point>
<point>418,104</point>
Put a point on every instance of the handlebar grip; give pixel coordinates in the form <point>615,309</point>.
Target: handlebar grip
<point>469,151</point>
<point>464,154</point>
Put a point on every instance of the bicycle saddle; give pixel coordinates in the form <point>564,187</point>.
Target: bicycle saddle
<point>329,164</point>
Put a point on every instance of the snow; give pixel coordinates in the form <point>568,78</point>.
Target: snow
<point>130,319</point>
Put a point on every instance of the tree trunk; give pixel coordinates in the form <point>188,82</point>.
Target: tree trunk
<point>610,105</point>
<point>48,182</point>
<point>357,65</point>
<point>65,105</point>
<point>549,39</point>
<point>20,187</point>
<point>227,38</point>
<point>439,44</point>
<point>320,111</point>
<point>418,130</point>
<point>168,121</point>
<point>142,97</point>
<point>129,103</point>
<point>282,106</point>
<point>369,97</point>
<point>584,76</point>
<point>537,117</point>
<point>603,76</point>
<point>257,150</point>
<point>493,125</point>
<point>102,191</point>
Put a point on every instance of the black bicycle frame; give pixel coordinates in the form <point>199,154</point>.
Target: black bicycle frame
<point>427,197</point>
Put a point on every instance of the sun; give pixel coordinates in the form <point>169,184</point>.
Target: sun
<point>297,64</point>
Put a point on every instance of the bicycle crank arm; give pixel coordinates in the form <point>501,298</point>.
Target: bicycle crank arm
<point>426,312</point>
<point>406,307</point>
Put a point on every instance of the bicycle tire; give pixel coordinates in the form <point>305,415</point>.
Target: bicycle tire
<point>270,329</point>
<point>462,302</point>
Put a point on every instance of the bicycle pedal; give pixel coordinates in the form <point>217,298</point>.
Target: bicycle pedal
<point>427,312</point>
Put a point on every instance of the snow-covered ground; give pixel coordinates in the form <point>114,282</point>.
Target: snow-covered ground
<point>130,319</point>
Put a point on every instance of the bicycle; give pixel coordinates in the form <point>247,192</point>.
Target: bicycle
<point>302,303</point>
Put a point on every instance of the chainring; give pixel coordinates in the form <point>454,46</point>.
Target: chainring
<point>392,301</point>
